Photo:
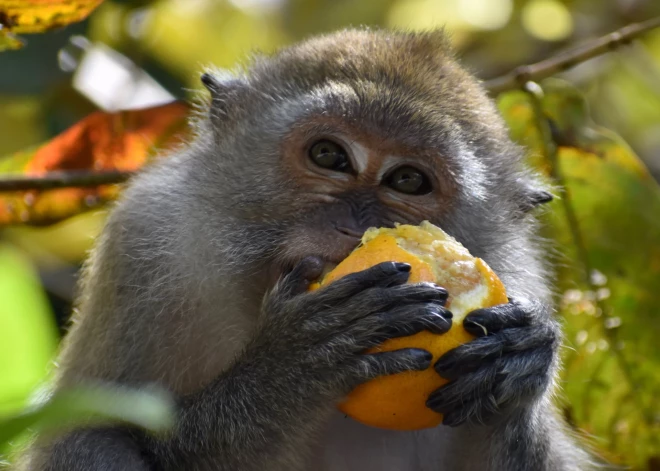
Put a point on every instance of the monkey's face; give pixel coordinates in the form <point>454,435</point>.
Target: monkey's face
<point>354,156</point>
<point>358,129</point>
<point>345,177</point>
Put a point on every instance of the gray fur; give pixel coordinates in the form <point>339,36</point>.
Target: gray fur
<point>173,291</point>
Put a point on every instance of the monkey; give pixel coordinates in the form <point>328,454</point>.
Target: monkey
<point>199,280</point>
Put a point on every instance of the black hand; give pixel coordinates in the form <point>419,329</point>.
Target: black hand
<point>509,363</point>
<point>324,333</point>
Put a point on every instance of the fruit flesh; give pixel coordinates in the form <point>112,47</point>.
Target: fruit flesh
<point>398,402</point>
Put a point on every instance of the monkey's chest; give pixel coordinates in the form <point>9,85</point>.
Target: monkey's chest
<point>346,445</point>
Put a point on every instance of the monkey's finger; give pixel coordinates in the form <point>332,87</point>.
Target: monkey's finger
<point>297,281</point>
<point>487,321</point>
<point>474,412</point>
<point>411,319</point>
<point>383,275</point>
<point>523,375</point>
<point>474,409</point>
<point>381,299</point>
<point>454,394</point>
<point>531,362</point>
<point>509,343</point>
<point>472,405</point>
<point>508,380</point>
<point>480,409</point>
<point>372,365</point>
<point>468,357</point>
<point>378,300</point>
<point>507,369</point>
<point>416,292</point>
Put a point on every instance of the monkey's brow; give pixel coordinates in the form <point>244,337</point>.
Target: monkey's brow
<point>314,129</point>
<point>417,125</point>
<point>429,154</point>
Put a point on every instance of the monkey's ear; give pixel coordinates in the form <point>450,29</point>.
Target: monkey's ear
<point>225,90</point>
<point>212,84</point>
<point>220,84</point>
<point>533,197</point>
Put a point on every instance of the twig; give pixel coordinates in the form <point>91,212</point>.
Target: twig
<point>551,152</point>
<point>52,180</point>
<point>567,59</point>
<point>517,78</point>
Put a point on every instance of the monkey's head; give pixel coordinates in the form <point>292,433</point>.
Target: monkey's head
<point>311,146</point>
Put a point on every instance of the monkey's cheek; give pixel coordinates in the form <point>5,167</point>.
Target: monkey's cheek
<point>275,272</point>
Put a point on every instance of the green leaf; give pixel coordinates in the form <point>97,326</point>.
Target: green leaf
<point>28,337</point>
<point>149,409</point>
<point>605,229</point>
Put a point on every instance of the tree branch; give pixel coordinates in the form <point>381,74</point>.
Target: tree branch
<point>551,153</point>
<point>52,180</point>
<point>567,59</point>
<point>517,78</point>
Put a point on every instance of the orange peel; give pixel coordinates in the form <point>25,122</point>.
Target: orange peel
<point>398,402</point>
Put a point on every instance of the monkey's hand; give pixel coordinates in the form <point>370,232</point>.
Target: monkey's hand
<point>318,338</point>
<point>510,363</point>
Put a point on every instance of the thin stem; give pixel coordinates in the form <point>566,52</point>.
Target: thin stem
<point>52,180</point>
<point>550,150</point>
<point>570,58</point>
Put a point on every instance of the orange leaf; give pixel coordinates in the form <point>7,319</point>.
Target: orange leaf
<point>110,141</point>
<point>37,16</point>
<point>101,142</point>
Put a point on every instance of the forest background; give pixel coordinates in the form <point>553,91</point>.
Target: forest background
<point>90,102</point>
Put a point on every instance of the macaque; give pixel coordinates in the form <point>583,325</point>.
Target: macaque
<point>199,281</point>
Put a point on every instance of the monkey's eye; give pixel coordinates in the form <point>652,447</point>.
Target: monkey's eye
<point>408,180</point>
<point>330,155</point>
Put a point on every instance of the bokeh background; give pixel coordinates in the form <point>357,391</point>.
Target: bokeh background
<point>132,54</point>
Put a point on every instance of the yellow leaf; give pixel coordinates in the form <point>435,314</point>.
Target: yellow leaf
<point>37,16</point>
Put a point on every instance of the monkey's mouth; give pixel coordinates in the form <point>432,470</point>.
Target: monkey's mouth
<point>331,247</point>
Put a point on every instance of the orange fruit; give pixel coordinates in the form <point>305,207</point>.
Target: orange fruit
<point>398,402</point>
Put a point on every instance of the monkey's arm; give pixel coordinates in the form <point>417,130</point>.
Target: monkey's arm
<point>501,389</point>
<point>262,412</point>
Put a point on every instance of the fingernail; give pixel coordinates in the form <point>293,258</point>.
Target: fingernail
<point>402,266</point>
<point>446,314</point>
<point>443,365</point>
<point>422,358</point>
<point>451,421</point>
<point>474,327</point>
<point>433,309</point>
<point>439,324</point>
<point>434,402</point>
<point>474,318</point>
<point>422,355</point>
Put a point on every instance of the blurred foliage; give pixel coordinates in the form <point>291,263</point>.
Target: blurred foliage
<point>29,335</point>
<point>604,228</point>
<point>28,341</point>
<point>37,16</point>
<point>609,203</point>
<point>120,141</point>
<point>152,410</point>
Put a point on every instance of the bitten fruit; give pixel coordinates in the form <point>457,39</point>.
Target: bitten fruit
<point>397,402</point>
